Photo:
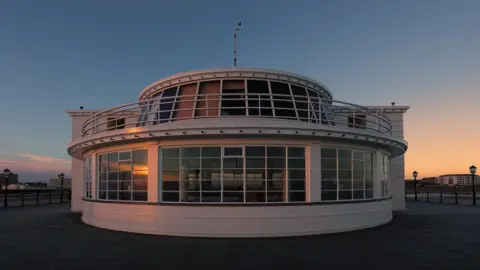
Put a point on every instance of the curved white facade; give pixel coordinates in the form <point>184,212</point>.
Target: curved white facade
<point>237,153</point>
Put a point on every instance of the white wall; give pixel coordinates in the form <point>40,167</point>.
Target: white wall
<point>397,169</point>
<point>236,221</point>
<point>77,166</point>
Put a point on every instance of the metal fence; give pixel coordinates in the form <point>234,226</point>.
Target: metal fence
<point>459,196</point>
<point>15,198</point>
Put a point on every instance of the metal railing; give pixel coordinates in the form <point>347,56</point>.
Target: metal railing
<point>285,107</point>
<point>443,195</point>
<point>33,197</point>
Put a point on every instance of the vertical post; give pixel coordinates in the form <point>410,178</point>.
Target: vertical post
<point>415,187</point>
<point>441,196</point>
<point>38,195</point>
<point>237,28</point>
<point>49,197</point>
<point>5,204</point>
<point>428,197</point>
<point>456,197</point>
<point>61,190</point>
<point>23,199</point>
<point>474,196</point>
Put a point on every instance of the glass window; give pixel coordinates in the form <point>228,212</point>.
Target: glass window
<point>233,174</point>
<point>348,177</point>
<point>123,176</point>
<point>282,101</point>
<point>87,177</point>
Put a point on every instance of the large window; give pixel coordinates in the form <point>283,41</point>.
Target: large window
<point>87,177</point>
<point>123,176</point>
<point>233,174</point>
<point>385,175</point>
<point>346,174</point>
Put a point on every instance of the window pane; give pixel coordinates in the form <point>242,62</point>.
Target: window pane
<point>358,155</point>
<point>329,184</point>
<point>170,164</point>
<point>369,193</point>
<point>211,151</point>
<point>233,163</point>
<point>357,183</point>
<point>233,174</point>
<point>140,160</point>
<point>170,185</point>
<point>125,166</point>
<point>276,163</point>
<point>344,154</point>
<point>211,196</point>
<point>255,163</point>
<point>233,151</point>
<point>170,152</point>
<point>125,196</point>
<point>252,174</point>
<point>139,196</point>
<point>345,195</point>
<point>329,174</point>
<point>112,195</point>
<point>140,185</point>
<point>329,195</point>
<point>232,185</point>
<point>124,176</point>
<point>170,196</point>
<point>189,152</point>
<point>357,165</point>
<point>233,196</point>
<point>211,163</point>
<point>344,164</point>
<point>140,175</point>
<point>170,175</point>
<point>296,152</point>
<point>255,196</point>
<point>113,176</point>
<point>296,163</point>
<point>296,196</point>
<point>208,185</point>
<point>113,162</point>
<point>255,185</point>
<point>255,151</point>
<point>329,153</point>
<point>296,185</point>
<point>358,194</point>
<point>345,183</point>
<point>344,174</point>
<point>275,196</point>
<point>190,163</point>
<point>274,185</point>
<point>124,155</point>
<point>276,174</point>
<point>211,174</point>
<point>296,174</point>
<point>329,164</point>
<point>273,151</point>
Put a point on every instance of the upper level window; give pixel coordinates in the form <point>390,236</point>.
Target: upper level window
<point>357,121</point>
<point>114,123</point>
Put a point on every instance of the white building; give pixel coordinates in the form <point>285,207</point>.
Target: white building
<point>238,153</point>
<point>457,179</point>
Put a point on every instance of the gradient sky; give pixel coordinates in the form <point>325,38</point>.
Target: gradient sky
<point>59,55</point>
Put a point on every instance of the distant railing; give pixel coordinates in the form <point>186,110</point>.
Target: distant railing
<point>443,194</point>
<point>285,107</point>
<point>25,197</point>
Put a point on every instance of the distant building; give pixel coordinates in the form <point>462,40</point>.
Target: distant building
<point>429,181</point>
<point>12,179</point>
<point>56,183</point>
<point>457,179</point>
<point>15,186</point>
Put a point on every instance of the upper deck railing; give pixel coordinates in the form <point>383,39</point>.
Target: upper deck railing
<point>286,107</point>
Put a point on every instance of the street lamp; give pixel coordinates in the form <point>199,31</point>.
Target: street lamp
<point>473,170</point>
<point>415,174</point>
<point>6,174</point>
<point>61,176</point>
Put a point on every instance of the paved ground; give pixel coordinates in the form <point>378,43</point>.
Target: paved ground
<point>428,236</point>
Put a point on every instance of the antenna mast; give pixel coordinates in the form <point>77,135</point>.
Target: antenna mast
<point>237,28</point>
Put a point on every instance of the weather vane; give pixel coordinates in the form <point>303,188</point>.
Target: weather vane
<point>237,28</point>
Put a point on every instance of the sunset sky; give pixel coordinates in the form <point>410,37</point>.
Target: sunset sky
<point>59,55</point>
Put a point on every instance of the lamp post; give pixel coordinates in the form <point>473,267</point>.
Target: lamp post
<point>473,170</point>
<point>415,174</point>
<point>61,177</point>
<point>6,174</point>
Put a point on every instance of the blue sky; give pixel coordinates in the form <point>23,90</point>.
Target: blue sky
<point>58,55</point>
